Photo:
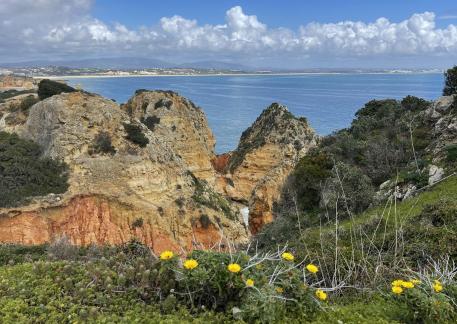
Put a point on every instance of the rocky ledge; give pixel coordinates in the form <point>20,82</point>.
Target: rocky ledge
<point>169,190</point>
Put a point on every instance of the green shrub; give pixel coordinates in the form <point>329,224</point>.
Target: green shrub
<point>102,144</point>
<point>308,177</point>
<point>347,191</point>
<point>24,173</point>
<point>450,83</point>
<point>414,103</point>
<point>14,253</point>
<point>150,122</point>
<point>451,153</point>
<point>13,93</point>
<point>48,88</point>
<point>135,135</point>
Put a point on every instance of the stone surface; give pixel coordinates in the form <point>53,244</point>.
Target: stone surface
<point>180,124</point>
<point>107,193</point>
<point>265,156</point>
<point>435,174</point>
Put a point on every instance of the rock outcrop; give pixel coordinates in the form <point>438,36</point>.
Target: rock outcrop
<point>266,154</point>
<point>443,116</point>
<point>180,124</point>
<point>16,82</point>
<point>173,192</point>
<point>149,193</point>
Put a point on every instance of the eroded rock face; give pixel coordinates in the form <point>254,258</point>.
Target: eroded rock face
<point>181,125</point>
<point>108,192</point>
<point>443,115</point>
<point>266,154</point>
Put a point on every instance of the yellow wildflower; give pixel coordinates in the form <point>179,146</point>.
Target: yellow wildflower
<point>397,283</point>
<point>321,294</point>
<point>166,255</point>
<point>234,267</point>
<point>249,283</point>
<point>416,281</point>
<point>279,290</point>
<point>397,290</point>
<point>190,264</point>
<point>312,268</point>
<point>407,284</point>
<point>288,256</point>
<point>437,286</point>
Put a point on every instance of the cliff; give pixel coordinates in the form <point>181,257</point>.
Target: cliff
<point>162,183</point>
<point>145,192</point>
<point>16,82</point>
<point>267,152</point>
<point>180,124</point>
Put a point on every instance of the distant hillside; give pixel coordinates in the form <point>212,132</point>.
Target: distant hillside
<point>127,63</point>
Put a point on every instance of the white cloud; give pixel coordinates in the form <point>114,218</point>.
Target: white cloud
<point>65,27</point>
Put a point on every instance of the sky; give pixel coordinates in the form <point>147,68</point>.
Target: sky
<point>258,33</point>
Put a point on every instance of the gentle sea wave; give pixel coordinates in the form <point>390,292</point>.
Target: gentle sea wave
<point>232,103</point>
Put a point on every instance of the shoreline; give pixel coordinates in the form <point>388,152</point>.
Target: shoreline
<point>90,76</point>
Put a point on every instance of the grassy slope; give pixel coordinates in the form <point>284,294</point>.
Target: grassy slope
<point>27,293</point>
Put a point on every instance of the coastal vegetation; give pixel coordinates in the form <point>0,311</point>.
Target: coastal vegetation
<point>135,135</point>
<point>24,173</point>
<point>363,233</point>
<point>48,88</point>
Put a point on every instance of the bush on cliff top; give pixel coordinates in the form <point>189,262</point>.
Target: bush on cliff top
<point>48,88</point>
<point>24,173</point>
<point>135,135</point>
<point>450,85</point>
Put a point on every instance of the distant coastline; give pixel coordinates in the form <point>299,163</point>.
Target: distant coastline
<point>87,76</point>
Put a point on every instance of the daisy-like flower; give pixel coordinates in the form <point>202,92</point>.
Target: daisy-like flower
<point>234,267</point>
<point>166,255</point>
<point>321,294</point>
<point>407,284</point>
<point>249,283</point>
<point>288,256</point>
<point>190,264</point>
<point>437,286</point>
<point>312,268</point>
<point>397,290</point>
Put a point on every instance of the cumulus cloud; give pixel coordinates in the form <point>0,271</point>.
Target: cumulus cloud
<point>66,27</point>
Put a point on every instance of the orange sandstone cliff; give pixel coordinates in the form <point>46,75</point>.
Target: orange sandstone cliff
<point>174,193</point>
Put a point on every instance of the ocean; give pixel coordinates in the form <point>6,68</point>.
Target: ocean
<point>232,103</point>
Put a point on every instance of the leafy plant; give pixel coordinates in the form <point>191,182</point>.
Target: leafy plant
<point>48,88</point>
<point>102,144</point>
<point>450,83</point>
<point>135,135</point>
<point>24,173</point>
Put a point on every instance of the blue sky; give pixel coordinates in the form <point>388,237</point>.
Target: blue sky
<point>275,13</point>
<point>258,33</point>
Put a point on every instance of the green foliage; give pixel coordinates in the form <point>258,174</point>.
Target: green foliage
<point>206,196</point>
<point>451,153</point>
<point>347,191</point>
<point>13,93</point>
<point>48,88</point>
<point>102,144</point>
<point>151,122</point>
<point>450,83</point>
<point>135,135</point>
<point>24,173</point>
<point>426,306</point>
<point>13,253</point>
<point>308,177</point>
<point>431,233</point>
<point>369,246</point>
<point>414,103</point>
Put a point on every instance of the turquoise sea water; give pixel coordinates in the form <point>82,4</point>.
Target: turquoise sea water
<point>232,103</point>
